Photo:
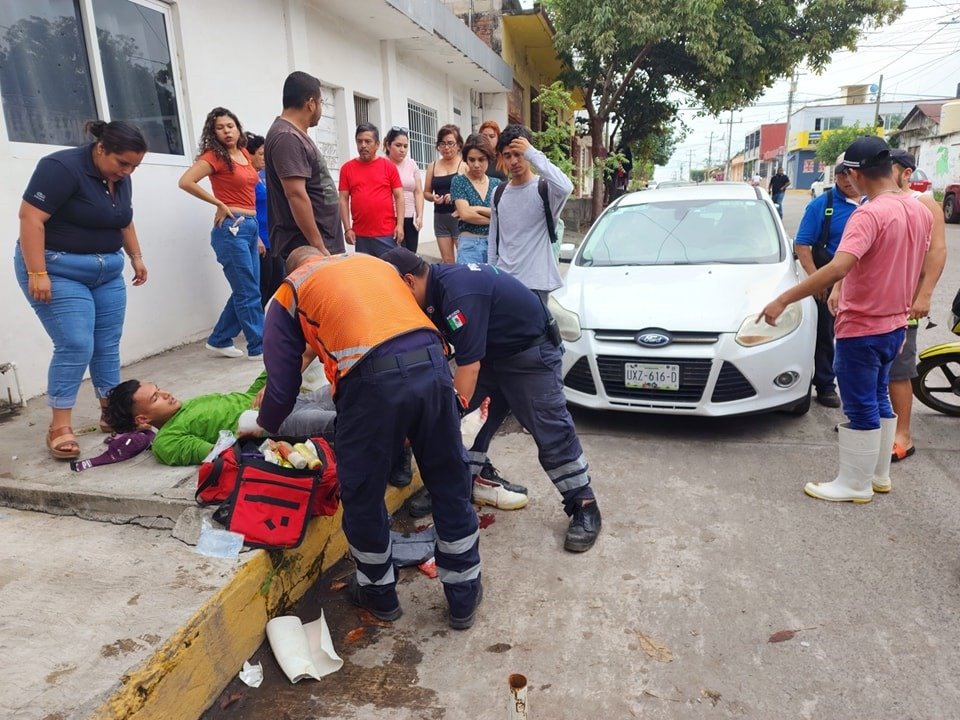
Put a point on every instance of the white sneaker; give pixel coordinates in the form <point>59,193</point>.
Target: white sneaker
<point>256,358</point>
<point>488,493</point>
<point>231,351</point>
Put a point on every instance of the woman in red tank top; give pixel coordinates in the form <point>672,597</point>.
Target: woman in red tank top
<point>235,238</point>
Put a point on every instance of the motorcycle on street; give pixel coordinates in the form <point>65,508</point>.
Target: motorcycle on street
<point>937,384</point>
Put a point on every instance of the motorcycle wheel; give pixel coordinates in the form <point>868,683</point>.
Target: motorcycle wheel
<point>937,384</point>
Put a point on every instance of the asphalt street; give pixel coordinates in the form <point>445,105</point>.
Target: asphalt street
<point>716,590</point>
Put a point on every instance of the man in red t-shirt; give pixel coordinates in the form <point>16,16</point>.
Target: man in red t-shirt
<point>371,197</point>
<point>881,262</point>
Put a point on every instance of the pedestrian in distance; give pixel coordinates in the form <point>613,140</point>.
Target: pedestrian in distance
<point>371,197</point>
<point>525,211</point>
<point>396,145</point>
<point>302,199</point>
<point>234,237</point>
<point>76,222</point>
<point>491,131</point>
<point>472,194</point>
<point>815,244</point>
<point>904,368</point>
<point>508,349</point>
<point>440,174</point>
<point>271,267</point>
<point>778,189</point>
<point>881,262</point>
<point>391,380</point>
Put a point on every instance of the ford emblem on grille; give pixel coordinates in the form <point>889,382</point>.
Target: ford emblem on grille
<point>653,338</point>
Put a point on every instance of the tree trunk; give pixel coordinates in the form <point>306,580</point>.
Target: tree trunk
<point>596,139</point>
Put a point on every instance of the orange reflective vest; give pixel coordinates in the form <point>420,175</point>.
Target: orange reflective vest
<point>347,306</point>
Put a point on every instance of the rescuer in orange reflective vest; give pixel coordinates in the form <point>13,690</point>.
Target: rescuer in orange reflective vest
<point>391,381</point>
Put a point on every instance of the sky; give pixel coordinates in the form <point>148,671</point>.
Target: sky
<point>918,56</point>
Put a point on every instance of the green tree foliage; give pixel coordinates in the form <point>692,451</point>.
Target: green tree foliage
<point>556,104</point>
<point>721,53</point>
<point>837,141</point>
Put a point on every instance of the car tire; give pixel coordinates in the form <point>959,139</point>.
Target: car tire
<point>802,407</point>
<point>951,213</point>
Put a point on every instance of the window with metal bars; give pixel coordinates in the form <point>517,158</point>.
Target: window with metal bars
<point>361,108</point>
<point>423,132</point>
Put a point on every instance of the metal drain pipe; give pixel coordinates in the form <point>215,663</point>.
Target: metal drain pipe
<point>518,697</point>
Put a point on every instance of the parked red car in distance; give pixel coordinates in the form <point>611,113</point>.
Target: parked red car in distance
<point>951,203</point>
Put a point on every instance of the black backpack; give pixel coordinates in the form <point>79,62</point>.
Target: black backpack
<point>543,188</point>
<point>820,255</point>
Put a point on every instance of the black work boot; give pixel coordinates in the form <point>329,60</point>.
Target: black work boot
<point>377,606</point>
<point>420,505</point>
<point>402,473</point>
<point>489,473</point>
<point>584,527</point>
<point>466,622</point>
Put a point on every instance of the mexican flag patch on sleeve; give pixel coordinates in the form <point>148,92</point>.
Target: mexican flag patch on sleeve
<point>456,320</point>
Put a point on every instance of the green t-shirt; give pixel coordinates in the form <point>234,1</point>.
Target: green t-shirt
<point>187,437</point>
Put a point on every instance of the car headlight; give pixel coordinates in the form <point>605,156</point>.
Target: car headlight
<point>753,333</point>
<point>567,321</point>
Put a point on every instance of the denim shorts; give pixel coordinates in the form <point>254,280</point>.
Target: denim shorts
<point>471,248</point>
<point>446,226</point>
<point>905,365</point>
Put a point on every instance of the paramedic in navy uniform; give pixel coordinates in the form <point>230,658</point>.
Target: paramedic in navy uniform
<point>508,348</point>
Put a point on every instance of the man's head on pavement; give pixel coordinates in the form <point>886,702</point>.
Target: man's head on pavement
<point>867,159</point>
<point>133,404</point>
<point>301,91</point>
<point>413,269</point>
<point>298,256</point>
<point>368,140</point>
<point>904,163</point>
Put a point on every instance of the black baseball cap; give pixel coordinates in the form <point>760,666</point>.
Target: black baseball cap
<point>402,259</point>
<point>903,158</point>
<point>866,152</point>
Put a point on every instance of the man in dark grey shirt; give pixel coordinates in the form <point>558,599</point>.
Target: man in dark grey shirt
<point>302,199</point>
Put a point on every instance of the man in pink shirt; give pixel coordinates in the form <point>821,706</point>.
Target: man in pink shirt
<point>880,260</point>
<point>371,197</point>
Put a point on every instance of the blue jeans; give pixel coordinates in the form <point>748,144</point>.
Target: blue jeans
<point>863,365</point>
<point>375,246</point>
<point>84,319</point>
<point>778,201</point>
<point>241,266</point>
<point>471,249</point>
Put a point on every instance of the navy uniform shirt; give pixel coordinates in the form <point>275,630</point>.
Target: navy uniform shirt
<point>483,312</point>
<point>84,217</point>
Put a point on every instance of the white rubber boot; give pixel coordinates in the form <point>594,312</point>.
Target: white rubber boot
<point>881,473</point>
<point>858,458</point>
<point>488,493</point>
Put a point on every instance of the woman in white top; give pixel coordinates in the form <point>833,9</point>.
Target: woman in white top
<point>396,145</point>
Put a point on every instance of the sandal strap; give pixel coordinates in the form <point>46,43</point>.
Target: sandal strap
<point>62,435</point>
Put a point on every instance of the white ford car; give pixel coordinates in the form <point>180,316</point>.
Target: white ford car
<point>658,313</point>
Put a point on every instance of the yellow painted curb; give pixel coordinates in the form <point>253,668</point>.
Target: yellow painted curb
<point>187,673</point>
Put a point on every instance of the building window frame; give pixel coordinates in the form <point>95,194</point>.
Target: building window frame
<point>35,150</point>
<point>422,122</point>
<point>827,123</point>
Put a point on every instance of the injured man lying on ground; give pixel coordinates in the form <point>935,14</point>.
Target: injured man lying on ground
<point>187,430</point>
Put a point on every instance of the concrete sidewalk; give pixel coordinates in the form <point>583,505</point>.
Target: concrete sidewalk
<point>111,620</point>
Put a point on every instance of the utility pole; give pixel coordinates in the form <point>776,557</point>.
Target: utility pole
<point>690,165</point>
<point>876,111</point>
<point>726,170</point>
<point>709,155</point>
<point>786,132</point>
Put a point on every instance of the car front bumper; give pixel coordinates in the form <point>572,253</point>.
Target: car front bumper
<point>717,378</point>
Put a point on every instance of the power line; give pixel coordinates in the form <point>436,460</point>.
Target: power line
<point>901,56</point>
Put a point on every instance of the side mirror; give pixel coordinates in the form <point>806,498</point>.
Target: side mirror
<point>567,251</point>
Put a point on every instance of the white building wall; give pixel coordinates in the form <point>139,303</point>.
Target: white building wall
<point>939,158</point>
<point>186,288</point>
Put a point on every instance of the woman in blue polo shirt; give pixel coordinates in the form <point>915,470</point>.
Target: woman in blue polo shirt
<point>76,221</point>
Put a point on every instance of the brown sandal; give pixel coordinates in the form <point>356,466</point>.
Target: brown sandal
<point>62,443</point>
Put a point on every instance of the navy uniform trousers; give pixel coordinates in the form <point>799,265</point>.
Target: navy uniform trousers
<point>530,385</point>
<point>377,407</point>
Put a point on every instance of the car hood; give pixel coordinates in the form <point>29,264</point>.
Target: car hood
<point>681,298</point>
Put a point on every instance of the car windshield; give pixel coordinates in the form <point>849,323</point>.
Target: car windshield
<point>919,174</point>
<point>684,232</point>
